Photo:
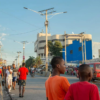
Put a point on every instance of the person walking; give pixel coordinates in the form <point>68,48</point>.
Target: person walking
<point>9,78</point>
<point>22,72</point>
<point>15,71</point>
<point>56,85</point>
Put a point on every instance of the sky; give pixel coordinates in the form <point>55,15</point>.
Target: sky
<point>18,24</point>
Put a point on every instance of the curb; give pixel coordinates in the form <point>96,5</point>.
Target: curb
<point>9,93</point>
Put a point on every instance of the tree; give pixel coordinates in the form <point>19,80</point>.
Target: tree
<point>38,61</point>
<point>30,62</point>
<point>55,48</point>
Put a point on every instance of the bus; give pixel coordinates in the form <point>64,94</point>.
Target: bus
<point>96,70</point>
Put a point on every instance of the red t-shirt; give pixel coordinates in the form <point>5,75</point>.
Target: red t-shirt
<point>23,73</point>
<point>82,91</point>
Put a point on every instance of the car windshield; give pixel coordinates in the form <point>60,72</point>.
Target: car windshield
<point>98,66</point>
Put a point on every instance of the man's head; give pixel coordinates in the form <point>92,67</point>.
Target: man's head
<point>23,65</point>
<point>13,65</point>
<point>8,67</point>
<point>85,72</point>
<point>58,64</point>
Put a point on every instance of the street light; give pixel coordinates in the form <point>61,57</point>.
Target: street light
<point>46,25</point>
<point>18,57</point>
<point>24,42</point>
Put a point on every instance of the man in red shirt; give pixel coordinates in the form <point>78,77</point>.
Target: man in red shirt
<point>22,72</point>
<point>83,90</point>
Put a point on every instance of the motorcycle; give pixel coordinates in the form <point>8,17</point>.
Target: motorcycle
<point>32,73</point>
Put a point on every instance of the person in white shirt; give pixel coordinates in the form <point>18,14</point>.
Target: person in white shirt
<point>9,78</point>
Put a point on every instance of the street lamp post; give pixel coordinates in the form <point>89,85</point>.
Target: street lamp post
<point>24,42</point>
<point>18,57</point>
<point>46,25</point>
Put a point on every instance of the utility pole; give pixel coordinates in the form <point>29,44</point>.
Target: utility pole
<point>24,42</point>
<point>46,25</point>
<point>65,49</point>
<point>18,57</point>
<point>0,52</point>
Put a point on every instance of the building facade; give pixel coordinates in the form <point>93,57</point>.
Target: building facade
<point>40,43</point>
<point>74,51</point>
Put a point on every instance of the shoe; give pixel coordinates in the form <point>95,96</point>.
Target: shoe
<point>20,95</point>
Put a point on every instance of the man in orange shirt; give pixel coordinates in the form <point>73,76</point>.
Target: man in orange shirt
<point>56,85</point>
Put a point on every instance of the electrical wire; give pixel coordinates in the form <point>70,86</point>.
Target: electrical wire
<point>26,32</point>
<point>18,18</point>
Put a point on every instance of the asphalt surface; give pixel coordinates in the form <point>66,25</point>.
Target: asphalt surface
<point>35,88</point>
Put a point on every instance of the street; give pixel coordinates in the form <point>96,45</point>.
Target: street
<point>35,88</point>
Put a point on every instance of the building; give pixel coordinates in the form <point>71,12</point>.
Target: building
<point>74,51</point>
<point>41,42</point>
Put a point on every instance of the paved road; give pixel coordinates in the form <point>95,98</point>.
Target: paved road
<point>35,88</point>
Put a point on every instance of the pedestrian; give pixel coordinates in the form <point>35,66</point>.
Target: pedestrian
<point>9,78</point>
<point>23,72</point>
<point>56,85</point>
<point>3,75</point>
<point>15,71</point>
<point>0,75</point>
<point>83,90</point>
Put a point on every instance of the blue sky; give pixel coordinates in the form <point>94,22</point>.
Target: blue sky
<point>82,16</point>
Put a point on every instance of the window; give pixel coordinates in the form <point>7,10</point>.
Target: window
<point>97,66</point>
<point>42,41</point>
<point>91,66</point>
<point>71,51</point>
<point>80,48</point>
<point>41,48</point>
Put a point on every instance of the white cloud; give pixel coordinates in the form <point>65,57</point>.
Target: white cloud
<point>0,43</point>
<point>3,38</point>
<point>3,34</point>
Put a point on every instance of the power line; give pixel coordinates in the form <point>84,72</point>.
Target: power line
<point>26,32</point>
<point>18,18</point>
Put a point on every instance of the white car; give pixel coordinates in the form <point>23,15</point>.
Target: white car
<point>38,70</point>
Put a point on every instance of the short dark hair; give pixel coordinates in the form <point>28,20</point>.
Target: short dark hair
<point>55,61</point>
<point>83,69</point>
<point>23,64</point>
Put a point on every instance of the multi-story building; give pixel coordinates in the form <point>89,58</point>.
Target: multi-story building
<point>40,43</point>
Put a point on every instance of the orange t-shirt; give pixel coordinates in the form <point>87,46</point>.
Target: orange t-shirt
<point>56,87</point>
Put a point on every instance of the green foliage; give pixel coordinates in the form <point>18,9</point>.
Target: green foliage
<point>30,62</point>
<point>38,61</point>
<point>33,61</point>
<point>55,48</point>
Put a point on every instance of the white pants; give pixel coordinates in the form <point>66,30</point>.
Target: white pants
<point>9,81</point>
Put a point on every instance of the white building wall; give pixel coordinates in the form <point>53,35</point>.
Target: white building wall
<point>95,49</point>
